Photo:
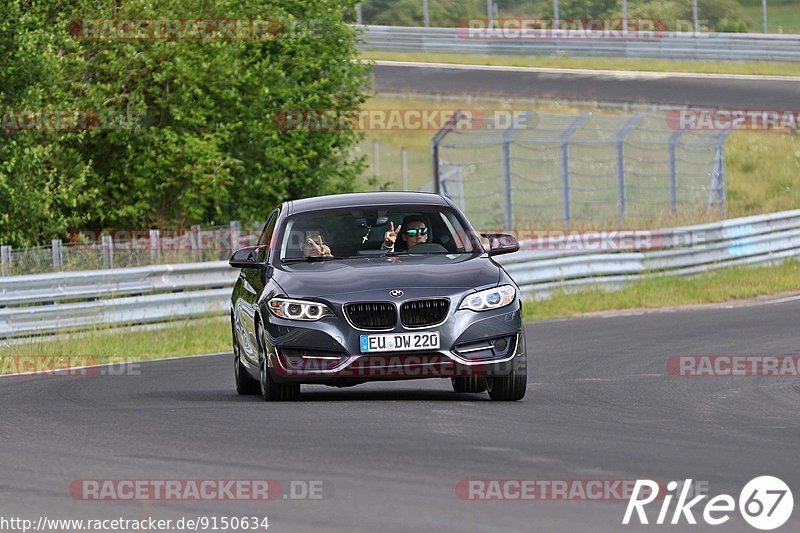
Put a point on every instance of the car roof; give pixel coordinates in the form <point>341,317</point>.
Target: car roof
<point>364,199</point>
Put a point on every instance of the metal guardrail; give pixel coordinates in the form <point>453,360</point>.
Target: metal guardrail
<point>665,45</point>
<point>50,303</point>
<point>60,286</point>
<point>762,239</point>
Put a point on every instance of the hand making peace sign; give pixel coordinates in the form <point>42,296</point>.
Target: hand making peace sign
<point>321,248</point>
<point>391,236</point>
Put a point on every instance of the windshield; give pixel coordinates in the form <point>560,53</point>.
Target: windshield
<point>375,231</point>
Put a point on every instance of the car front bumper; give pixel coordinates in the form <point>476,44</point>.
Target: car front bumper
<point>328,351</point>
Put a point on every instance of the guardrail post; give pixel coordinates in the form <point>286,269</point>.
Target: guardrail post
<point>108,251</point>
<point>58,255</point>
<point>5,260</point>
<point>236,235</point>
<point>404,166</point>
<point>194,242</point>
<point>673,171</point>
<point>155,245</point>
<point>435,142</point>
<point>621,192</point>
<point>566,213</point>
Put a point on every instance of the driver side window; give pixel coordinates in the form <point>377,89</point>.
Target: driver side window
<point>265,240</point>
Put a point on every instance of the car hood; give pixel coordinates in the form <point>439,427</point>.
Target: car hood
<point>410,273</point>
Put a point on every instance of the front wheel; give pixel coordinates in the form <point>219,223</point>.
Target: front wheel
<point>277,392</point>
<point>270,390</point>
<point>245,385</point>
<point>469,384</point>
<point>510,387</point>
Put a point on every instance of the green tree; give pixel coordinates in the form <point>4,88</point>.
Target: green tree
<point>187,131</point>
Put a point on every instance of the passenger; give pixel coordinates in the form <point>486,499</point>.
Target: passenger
<point>315,244</point>
<point>416,232</point>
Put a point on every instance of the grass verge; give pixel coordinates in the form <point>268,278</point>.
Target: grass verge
<point>724,285</point>
<point>764,68</point>
<point>780,18</point>
<point>115,345</point>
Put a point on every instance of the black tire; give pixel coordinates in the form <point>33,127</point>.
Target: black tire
<point>245,385</point>
<point>469,384</point>
<point>511,386</point>
<point>269,389</point>
<point>276,392</point>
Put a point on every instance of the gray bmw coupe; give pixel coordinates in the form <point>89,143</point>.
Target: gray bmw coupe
<point>350,288</point>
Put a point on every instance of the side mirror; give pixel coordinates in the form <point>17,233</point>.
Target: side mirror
<point>501,243</point>
<point>245,258</point>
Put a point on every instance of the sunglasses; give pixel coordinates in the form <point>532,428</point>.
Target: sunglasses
<point>415,232</point>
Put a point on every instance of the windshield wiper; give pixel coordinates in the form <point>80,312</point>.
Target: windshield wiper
<point>312,259</point>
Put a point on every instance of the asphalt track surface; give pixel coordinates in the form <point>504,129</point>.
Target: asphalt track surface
<point>734,92</point>
<point>600,405</point>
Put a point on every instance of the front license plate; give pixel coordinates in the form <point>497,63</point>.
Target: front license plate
<point>400,342</point>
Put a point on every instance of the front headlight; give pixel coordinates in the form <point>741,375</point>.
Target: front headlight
<point>298,309</point>
<point>489,298</point>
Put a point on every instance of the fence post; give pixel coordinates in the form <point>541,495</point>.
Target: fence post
<point>621,193</point>
<point>155,245</point>
<point>376,162</point>
<point>5,260</point>
<point>717,193</point>
<point>58,255</point>
<point>108,251</point>
<point>359,18</point>
<point>435,141</point>
<point>195,241</point>
<point>566,214</point>
<point>236,235</point>
<point>404,166</point>
<point>508,137</point>
<point>673,171</point>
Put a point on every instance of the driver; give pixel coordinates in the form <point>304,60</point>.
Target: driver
<point>416,232</point>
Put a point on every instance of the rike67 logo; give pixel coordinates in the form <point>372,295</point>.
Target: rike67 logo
<point>765,503</point>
